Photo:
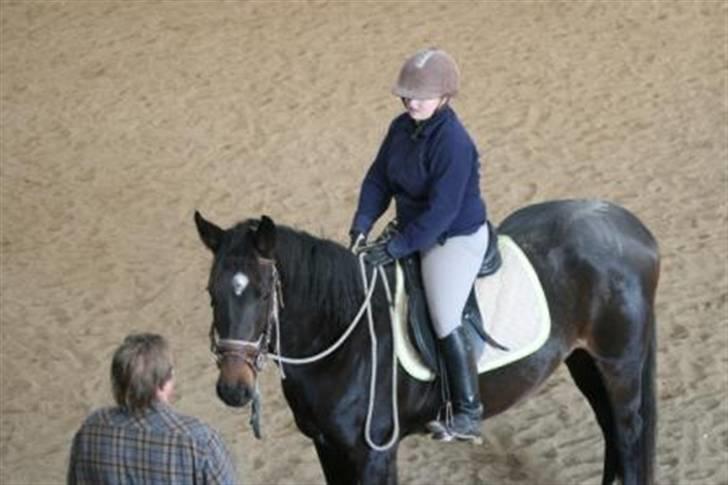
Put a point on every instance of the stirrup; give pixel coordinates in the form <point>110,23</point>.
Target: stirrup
<point>439,428</point>
<point>475,439</point>
<point>439,431</point>
<point>444,437</point>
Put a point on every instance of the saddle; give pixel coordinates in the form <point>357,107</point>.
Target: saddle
<point>419,325</point>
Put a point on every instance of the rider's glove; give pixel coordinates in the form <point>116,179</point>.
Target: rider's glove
<point>378,256</point>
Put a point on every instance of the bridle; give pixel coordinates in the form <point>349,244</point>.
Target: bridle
<point>252,353</point>
<point>255,354</point>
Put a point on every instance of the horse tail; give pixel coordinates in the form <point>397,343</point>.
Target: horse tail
<point>648,408</point>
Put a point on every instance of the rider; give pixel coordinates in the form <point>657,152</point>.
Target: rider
<point>429,164</point>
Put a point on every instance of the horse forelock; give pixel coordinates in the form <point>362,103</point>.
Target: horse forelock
<point>234,253</point>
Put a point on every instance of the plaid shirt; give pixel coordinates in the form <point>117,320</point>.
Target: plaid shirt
<point>162,446</point>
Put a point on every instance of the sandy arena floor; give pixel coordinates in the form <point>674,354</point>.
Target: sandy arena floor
<point>119,119</point>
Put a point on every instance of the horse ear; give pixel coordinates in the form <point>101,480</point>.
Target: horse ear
<point>210,234</point>
<point>265,237</point>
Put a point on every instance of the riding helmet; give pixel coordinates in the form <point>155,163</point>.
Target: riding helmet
<point>429,73</point>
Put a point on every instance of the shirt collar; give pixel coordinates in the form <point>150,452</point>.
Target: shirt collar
<point>155,407</point>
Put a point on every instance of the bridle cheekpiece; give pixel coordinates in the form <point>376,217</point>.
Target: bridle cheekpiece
<point>253,353</point>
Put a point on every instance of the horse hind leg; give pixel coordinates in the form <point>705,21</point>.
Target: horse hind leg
<point>622,346</point>
<point>588,379</point>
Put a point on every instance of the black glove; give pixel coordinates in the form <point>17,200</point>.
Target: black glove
<point>378,256</point>
<point>356,240</point>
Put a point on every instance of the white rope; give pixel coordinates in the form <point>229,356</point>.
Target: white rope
<point>337,344</point>
<point>365,307</point>
<point>372,383</point>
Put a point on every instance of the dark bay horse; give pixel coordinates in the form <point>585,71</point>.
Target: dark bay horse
<point>598,264</point>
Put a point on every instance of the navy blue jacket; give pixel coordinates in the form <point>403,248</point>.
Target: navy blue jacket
<point>432,172</point>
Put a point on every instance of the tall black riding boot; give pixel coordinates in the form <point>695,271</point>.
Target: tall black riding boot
<point>462,375</point>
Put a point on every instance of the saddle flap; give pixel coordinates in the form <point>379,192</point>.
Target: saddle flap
<point>513,308</point>
<point>419,325</point>
<point>418,316</point>
<point>492,260</point>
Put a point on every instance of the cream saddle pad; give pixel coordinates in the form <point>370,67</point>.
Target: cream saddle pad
<point>514,309</point>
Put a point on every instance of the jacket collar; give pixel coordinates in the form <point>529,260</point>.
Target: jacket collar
<point>424,128</point>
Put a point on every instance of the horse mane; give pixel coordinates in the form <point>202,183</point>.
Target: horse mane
<point>321,273</point>
<point>316,273</point>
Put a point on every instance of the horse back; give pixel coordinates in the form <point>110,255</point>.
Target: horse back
<point>598,264</point>
<point>586,229</point>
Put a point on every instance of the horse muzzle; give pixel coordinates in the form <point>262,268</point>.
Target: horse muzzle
<point>236,385</point>
<point>236,394</point>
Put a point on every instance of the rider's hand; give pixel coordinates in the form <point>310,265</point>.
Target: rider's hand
<point>356,240</point>
<point>378,256</point>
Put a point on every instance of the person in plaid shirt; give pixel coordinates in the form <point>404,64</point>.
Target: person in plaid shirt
<point>143,440</point>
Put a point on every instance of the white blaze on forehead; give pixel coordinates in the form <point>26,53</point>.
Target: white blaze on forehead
<point>240,282</point>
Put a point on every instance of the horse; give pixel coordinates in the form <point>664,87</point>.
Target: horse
<point>599,267</point>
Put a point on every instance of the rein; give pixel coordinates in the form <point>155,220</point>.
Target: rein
<point>255,353</point>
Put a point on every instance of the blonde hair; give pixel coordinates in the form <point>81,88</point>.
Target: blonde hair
<point>141,365</point>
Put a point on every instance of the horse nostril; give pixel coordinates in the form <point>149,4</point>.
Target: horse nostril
<point>235,396</point>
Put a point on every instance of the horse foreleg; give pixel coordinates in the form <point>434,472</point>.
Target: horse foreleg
<point>338,468</point>
<point>379,467</point>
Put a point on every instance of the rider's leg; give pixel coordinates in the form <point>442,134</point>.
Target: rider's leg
<point>448,273</point>
<point>462,376</point>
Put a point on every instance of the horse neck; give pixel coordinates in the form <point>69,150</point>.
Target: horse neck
<point>321,290</point>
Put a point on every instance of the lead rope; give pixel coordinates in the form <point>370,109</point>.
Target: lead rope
<point>313,358</point>
<point>365,307</point>
<point>372,382</point>
<point>277,299</point>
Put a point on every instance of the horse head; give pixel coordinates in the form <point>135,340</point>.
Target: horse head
<point>243,285</point>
